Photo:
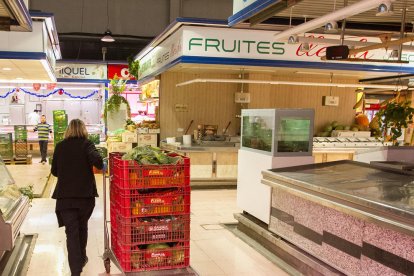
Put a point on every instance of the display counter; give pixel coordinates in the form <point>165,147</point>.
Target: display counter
<point>356,217</point>
<point>210,161</point>
<point>13,210</point>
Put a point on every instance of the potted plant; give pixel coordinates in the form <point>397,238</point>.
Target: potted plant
<point>116,87</point>
<point>394,116</point>
<point>133,67</point>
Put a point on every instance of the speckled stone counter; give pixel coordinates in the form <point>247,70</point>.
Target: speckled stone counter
<point>355,217</point>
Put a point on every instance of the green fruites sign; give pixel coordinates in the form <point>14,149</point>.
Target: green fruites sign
<point>236,46</point>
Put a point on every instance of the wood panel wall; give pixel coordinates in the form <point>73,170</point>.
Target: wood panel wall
<point>287,96</point>
<point>213,103</point>
<point>208,103</point>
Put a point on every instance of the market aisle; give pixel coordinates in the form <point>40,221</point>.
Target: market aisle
<point>214,250</point>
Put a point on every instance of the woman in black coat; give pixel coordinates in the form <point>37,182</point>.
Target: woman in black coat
<point>75,192</point>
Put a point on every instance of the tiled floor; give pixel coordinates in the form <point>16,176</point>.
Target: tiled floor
<point>213,252</point>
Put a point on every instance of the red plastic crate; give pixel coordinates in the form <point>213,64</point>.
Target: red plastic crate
<point>130,174</point>
<point>141,259</point>
<point>137,231</point>
<point>139,203</point>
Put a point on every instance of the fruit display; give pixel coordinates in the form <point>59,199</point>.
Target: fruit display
<point>361,124</point>
<point>149,124</point>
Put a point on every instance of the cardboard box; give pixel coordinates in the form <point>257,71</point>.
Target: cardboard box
<point>119,147</point>
<point>348,133</point>
<point>147,140</point>
<point>153,130</point>
<point>142,130</point>
<point>129,137</point>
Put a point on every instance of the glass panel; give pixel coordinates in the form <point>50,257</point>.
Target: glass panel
<point>9,192</point>
<point>258,132</point>
<point>293,134</point>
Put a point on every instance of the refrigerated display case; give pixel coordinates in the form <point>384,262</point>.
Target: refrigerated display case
<point>278,132</point>
<point>270,138</point>
<point>13,210</point>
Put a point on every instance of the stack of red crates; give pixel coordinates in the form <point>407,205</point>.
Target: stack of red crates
<point>150,214</point>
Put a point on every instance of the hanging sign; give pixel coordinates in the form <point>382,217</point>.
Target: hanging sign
<point>82,71</point>
<point>121,70</point>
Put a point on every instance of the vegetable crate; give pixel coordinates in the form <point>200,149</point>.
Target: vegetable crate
<point>6,145</point>
<point>21,149</point>
<point>163,229</point>
<point>20,133</point>
<point>95,138</point>
<point>133,203</point>
<point>154,256</point>
<point>150,214</point>
<point>130,174</point>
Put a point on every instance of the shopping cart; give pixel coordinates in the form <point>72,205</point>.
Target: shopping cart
<point>120,246</point>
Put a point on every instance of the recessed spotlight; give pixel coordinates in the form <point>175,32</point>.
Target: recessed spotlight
<point>19,78</point>
<point>7,69</point>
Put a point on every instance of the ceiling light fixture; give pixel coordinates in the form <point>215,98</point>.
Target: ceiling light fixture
<point>320,84</point>
<point>108,34</point>
<point>348,11</point>
<point>108,37</point>
<point>7,69</point>
<point>385,9</point>
<point>19,78</point>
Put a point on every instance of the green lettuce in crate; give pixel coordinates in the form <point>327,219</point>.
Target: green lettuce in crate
<point>150,156</point>
<point>95,138</point>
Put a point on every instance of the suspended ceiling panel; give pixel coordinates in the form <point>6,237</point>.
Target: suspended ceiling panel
<point>3,11</point>
<point>317,8</point>
<point>23,71</point>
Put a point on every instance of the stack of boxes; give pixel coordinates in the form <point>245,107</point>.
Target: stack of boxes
<point>6,146</point>
<point>131,139</point>
<point>150,214</point>
<point>20,143</point>
<point>60,123</point>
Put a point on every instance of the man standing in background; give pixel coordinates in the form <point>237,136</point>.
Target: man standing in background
<point>43,129</point>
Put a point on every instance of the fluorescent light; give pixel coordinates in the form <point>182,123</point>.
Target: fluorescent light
<point>19,78</point>
<point>348,11</point>
<point>7,69</point>
<point>321,84</point>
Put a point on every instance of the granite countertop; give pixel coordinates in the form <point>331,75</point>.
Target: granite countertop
<point>366,187</point>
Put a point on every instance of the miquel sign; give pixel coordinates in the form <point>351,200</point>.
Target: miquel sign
<point>82,71</point>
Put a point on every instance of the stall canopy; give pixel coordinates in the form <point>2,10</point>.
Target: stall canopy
<point>14,16</point>
<point>218,46</point>
<point>27,57</point>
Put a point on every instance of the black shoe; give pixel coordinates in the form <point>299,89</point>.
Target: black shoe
<point>85,262</point>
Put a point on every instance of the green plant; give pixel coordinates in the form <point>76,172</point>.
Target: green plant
<point>395,116</point>
<point>27,191</point>
<point>116,87</point>
<point>133,66</point>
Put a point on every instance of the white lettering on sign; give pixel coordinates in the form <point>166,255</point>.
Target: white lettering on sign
<point>124,73</point>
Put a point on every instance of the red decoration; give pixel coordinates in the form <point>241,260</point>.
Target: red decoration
<point>36,86</point>
<point>60,92</point>
<point>119,69</point>
<point>50,86</point>
<point>17,89</point>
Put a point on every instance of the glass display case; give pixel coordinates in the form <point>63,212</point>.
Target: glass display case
<point>278,132</point>
<point>13,209</point>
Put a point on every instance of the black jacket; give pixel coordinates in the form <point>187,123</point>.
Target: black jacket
<point>72,164</point>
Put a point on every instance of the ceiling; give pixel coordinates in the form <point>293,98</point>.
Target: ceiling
<point>3,11</point>
<point>24,71</point>
<point>317,8</point>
